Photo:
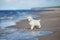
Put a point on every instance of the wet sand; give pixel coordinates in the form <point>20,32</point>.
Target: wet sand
<point>50,21</point>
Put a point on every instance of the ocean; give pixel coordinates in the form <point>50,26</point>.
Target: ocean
<point>10,17</point>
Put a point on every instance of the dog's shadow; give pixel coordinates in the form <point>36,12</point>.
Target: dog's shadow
<point>35,27</point>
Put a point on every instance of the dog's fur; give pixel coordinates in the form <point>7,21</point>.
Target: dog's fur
<point>33,22</point>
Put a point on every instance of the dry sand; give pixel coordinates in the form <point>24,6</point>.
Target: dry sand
<point>50,21</point>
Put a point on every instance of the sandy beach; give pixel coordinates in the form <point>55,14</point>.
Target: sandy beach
<point>50,21</point>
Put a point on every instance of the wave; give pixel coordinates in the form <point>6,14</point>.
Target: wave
<point>10,18</point>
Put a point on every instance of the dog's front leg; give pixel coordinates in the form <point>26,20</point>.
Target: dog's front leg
<point>39,26</point>
<point>32,26</point>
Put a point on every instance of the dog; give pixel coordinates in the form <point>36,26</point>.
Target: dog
<point>33,22</point>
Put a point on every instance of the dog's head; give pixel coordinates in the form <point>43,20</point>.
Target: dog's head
<point>29,18</point>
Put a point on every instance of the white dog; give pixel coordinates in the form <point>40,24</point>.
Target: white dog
<point>33,22</point>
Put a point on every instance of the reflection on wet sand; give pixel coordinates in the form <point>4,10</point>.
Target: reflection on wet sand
<point>14,34</point>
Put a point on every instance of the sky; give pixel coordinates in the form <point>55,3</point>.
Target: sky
<point>26,4</point>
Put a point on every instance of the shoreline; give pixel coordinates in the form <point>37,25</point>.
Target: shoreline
<point>51,18</point>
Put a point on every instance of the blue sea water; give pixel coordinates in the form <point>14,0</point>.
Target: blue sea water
<point>10,17</point>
